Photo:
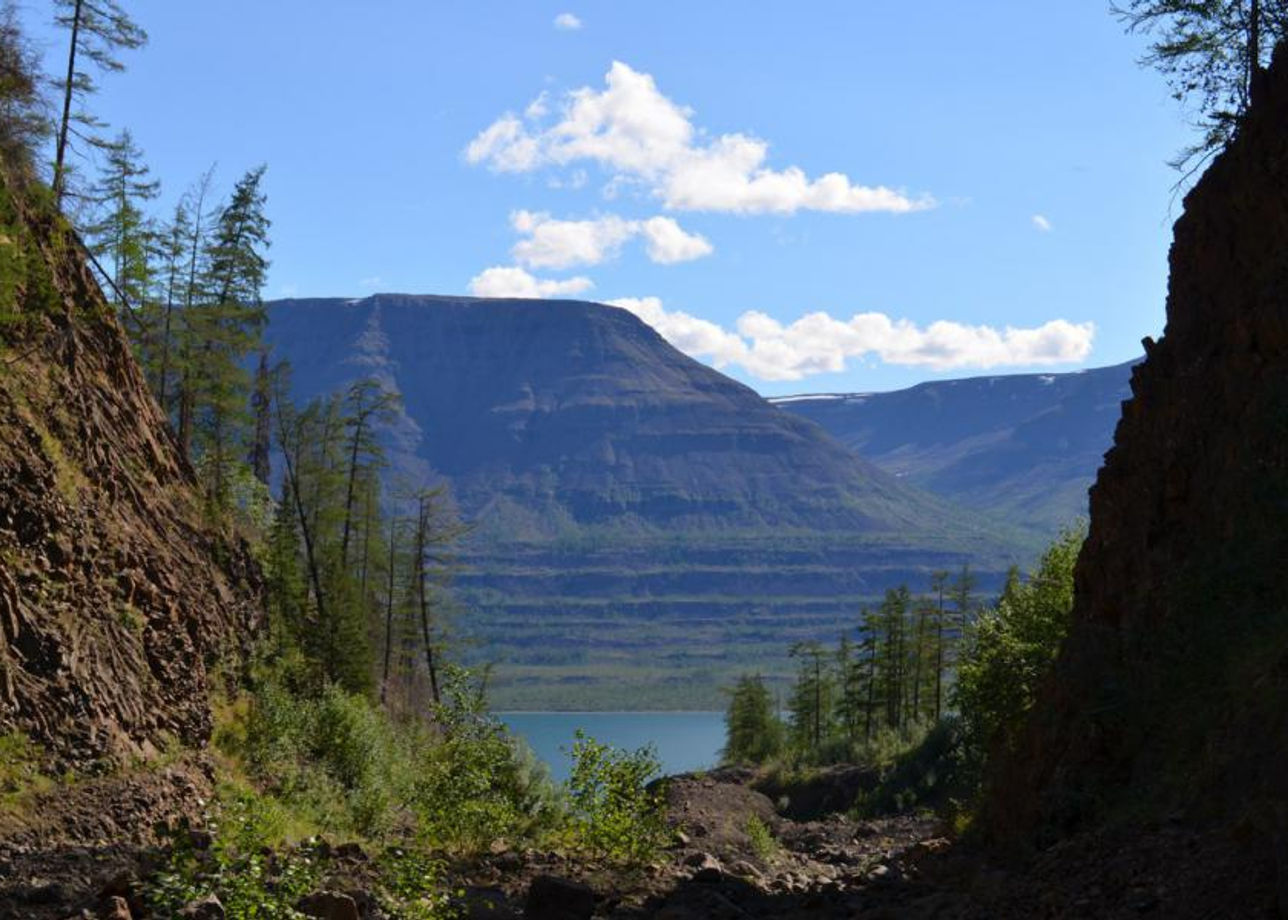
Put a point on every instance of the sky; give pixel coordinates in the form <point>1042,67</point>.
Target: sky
<point>839,196</point>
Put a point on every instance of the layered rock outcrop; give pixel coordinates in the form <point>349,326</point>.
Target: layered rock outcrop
<point>118,600</point>
<point>1171,694</point>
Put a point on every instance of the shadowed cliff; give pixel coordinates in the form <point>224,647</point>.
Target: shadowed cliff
<point>1170,696</point>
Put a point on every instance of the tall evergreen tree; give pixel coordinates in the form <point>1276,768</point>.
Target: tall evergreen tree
<point>97,31</point>
<point>121,235</point>
<point>753,731</point>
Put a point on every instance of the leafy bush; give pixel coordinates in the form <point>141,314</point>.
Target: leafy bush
<point>1013,645</point>
<point>478,783</point>
<point>251,883</point>
<point>457,783</point>
<point>616,815</point>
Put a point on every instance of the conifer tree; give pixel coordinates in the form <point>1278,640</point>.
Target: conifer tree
<point>226,328</point>
<point>1211,52</point>
<point>753,731</point>
<point>98,31</point>
<point>121,235</point>
<point>811,700</point>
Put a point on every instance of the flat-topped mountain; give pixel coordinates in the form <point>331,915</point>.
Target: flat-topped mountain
<point>585,412</point>
<point>624,494</point>
<point>1022,447</point>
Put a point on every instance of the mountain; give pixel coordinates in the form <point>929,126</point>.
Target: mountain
<point>628,500</point>
<point>1023,448</point>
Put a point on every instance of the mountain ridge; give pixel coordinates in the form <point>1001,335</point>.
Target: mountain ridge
<point>1021,447</point>
<point>614,480</point>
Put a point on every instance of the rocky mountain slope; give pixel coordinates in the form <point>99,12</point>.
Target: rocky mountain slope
<point>630,502</point>
<point>1171,695</point>
<point>118,604</point>
<point>1022,447</point>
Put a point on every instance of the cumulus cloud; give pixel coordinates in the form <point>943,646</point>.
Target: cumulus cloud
<point>510,281</point>
<point>819,343</point>
<point>567,22</point>
<point>551,243</point>
<point>1041,223</point>
<point>669,243</point>
<point>640,136</point>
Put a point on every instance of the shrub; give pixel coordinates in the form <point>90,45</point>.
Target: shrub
<point>616,815</point>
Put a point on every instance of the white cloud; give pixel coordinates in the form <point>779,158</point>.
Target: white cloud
<point>669,243</point>
<point>699,338</point>
<point>539,107</point>
<point>819,343</point>
<point>509,281</point>
<point>374,281</point>
<point>1041,223</point>
<point>640,136</point>
<point>552,243</point>
<point>567,22</point>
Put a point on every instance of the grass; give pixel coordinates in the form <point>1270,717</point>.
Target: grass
<point>21,778</point>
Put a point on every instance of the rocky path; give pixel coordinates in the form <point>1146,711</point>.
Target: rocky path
<point>734,857</point>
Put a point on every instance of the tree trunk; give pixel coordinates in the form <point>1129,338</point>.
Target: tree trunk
<point>61,153</point>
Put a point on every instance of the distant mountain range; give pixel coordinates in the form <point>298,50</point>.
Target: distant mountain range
<point>1023,448</point>
<point>645,526</point>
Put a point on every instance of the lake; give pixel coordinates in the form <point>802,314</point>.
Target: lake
<point>685,741</point>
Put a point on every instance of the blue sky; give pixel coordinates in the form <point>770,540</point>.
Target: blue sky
<point>815,196</point>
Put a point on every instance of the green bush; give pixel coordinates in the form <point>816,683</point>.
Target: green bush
<point>479,783</point>
<point>1013,645</point>
<point>251,882</point>
<point>616,815</point>
<point>458,782</point>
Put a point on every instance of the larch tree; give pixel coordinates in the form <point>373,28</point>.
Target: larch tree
<point>121,234</point>
<point>1211,52</point>
<point>98,30</point>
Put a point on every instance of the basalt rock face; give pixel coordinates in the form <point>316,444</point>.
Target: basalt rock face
<point>1171,694</point>
<point>116,600</point>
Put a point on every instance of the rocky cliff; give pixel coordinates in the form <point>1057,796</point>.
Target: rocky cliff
<point>1171,695</point>
<point>118,603</point>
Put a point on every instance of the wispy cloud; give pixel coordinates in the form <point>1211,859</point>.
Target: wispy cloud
<point>1040,222</point>
<point>551,243</point>
<point>567,22</point>
<point>511,281</point>
<point>819,343</point>
<point>640,136</point>
<point>372,282</point>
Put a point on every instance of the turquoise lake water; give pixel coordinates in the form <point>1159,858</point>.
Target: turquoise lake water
<point>684,741</point>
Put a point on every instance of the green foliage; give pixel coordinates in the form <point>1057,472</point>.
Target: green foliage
<point>863,701</point>
<point>616,815</point>
<point>347,767</point>
<point>1013,644</point>
<point>934,773</point>
<point>1209,52</point>
<point>412,885</point>
<point>763,842</point>
<point>753,731</point>
<point>478,783</point>
<point>252,882</point>
<point>20,770</point>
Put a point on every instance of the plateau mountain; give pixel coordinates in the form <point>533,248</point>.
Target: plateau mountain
<point>637,515</point>
<point>1023,448</point>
